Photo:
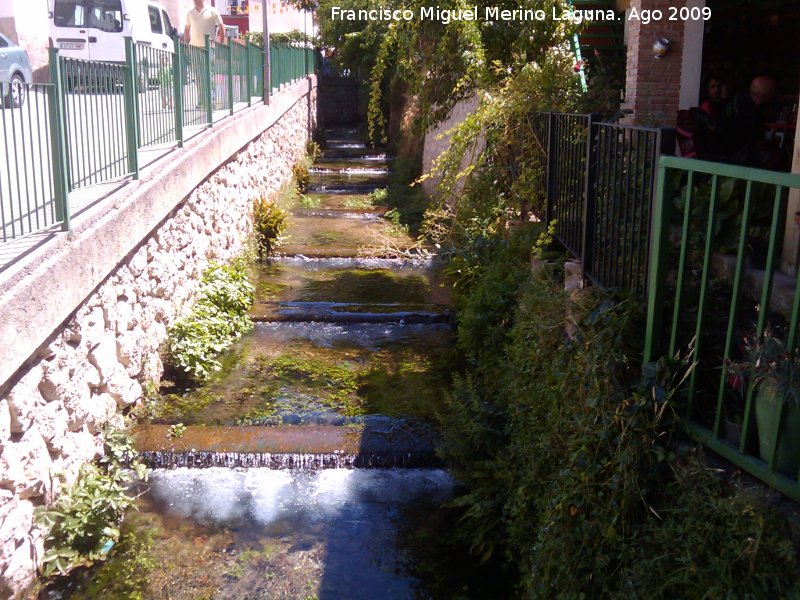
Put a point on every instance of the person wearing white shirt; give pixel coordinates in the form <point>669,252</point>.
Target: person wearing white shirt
<point>203,21</point>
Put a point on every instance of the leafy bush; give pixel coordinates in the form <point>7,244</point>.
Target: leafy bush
<point>219,317</point>
<point>269,225</point>
<point>82,525</point>
<point>568,465</point>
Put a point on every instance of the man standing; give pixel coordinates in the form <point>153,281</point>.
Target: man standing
<point>202,21</point>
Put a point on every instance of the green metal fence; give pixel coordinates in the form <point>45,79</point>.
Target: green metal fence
<point>155,95</point>
<point>289,63</point>
<point>196,84</point>
<point>87,125</point>
<point>26,177</point>
<point>696,309</point>
<point>97,100</point>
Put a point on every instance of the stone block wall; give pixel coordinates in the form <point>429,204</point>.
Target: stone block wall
<point>98,363</point>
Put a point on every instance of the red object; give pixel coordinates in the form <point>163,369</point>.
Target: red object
<point>241,21</point>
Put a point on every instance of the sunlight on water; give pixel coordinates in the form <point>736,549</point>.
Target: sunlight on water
<point>225,497</point>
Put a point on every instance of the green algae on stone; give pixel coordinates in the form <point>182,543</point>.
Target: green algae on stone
<point>321,236</point>
<point>409,384</point>
<point>359,202</point>
<point>365,287</point>
<point>306,384</point>
<point>325,238</point>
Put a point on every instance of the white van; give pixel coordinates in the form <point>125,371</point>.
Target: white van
<point>95,29</point>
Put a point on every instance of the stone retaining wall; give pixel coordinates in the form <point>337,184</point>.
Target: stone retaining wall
<point>105,354</point>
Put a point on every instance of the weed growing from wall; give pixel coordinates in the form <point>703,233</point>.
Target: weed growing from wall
<point>218,318</point>
<point>82,525</point>
<point>300,175</point>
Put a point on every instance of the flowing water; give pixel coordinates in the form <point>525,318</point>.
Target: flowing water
<point>307,457</point>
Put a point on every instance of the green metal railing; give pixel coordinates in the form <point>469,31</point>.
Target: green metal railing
<point>155,100</point>
<point>87,125</point>
<point>98,99</point>
<point>196,84</point>
<point>690,308</point>
<point>289,64</point>
<point>26,176</point>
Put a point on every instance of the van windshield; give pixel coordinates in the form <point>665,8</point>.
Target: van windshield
<point>105,15</point>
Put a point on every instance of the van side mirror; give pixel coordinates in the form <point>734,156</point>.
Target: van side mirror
<point>174,31</point>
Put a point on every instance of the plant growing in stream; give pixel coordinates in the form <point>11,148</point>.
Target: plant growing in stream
<point>82,525</point>
<point>218,318</point>
<point>301,175</point>
<point>269,225</point>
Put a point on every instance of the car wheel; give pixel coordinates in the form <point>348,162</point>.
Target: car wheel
<point>16,91</point>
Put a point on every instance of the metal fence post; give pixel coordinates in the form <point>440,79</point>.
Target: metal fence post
<point>209,95</point>
<point>58,142</point>
<point>177,83</point>
<point>656,273</point>
<point>552,161</point>
<point>266,76</point>
<point>666,145</point>
<point>590,196</point>
<point>131,112</point>
<point>249,69</point>
<point>229,46</point>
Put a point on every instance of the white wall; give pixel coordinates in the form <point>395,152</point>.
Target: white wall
<point>692,59</point>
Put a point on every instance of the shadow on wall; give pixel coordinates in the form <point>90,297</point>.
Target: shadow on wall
<point>338,102</point>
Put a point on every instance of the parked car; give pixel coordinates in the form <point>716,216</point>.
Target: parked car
<point>15,72</point>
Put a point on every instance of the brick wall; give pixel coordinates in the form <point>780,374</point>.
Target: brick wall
<point>652,86</point>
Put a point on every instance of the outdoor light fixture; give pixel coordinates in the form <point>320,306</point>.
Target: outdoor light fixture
<point>661,47</point>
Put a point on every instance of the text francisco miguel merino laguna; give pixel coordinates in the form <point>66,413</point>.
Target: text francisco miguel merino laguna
<point>488,13</point>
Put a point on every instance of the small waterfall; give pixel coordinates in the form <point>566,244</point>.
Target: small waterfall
<point>341,188</point>
<point>164,459</point>
<point>349,170</point>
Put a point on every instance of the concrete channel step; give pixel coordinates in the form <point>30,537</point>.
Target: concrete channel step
<point>371,442</point>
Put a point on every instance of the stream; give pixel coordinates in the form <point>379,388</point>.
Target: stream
<point>309,461</point>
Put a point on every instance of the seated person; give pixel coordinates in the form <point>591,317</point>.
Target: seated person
<point>741,124</point>
<point>713,102</point>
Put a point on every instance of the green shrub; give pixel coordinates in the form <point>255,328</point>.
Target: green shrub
<point>269,225</point>
<point>568,464</point>
<point>82,525</point>
<point>219,318</point>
